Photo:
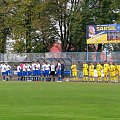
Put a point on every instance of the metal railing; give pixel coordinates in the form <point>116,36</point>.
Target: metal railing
<point>79,56</point>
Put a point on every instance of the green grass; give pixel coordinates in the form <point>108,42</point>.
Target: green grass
<point>59,101</point>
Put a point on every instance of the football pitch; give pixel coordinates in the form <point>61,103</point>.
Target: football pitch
<point>59,101</point>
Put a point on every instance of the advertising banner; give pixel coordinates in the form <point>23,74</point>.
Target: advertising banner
<point>97,34</point>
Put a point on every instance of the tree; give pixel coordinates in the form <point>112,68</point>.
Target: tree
<point>72,17</point>
<point>19,22</point>
<point>100,12</point>
<point>65,14</point>
<point>26,20</point>
<point>46,32</point>
<point>37,24</point>
<point>4,30</point>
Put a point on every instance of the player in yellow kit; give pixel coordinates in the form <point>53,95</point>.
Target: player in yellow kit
<point>74,71</point>
<point>99,69</point>
<point>116,72</point>
<point>85,71</point>
<point>91,72</point>
<point>106,70</point>
<point>112,72</point>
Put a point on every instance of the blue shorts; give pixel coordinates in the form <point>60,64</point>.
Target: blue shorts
<point>3,73</point>
<point>38,72</point>
<point>24,73</point>
<point>29,73</point>
<point>47,73</point>
<point>58,72</point>
<point>34,73</point>
<point>19,74</point>
<point>43,73</point>
<point>8,72</point>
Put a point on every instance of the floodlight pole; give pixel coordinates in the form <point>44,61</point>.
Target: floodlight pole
<point>106,51</point>
<point>87,53</point>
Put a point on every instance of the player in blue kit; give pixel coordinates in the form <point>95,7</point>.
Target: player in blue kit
<point>34,71</point>
<point>37,71</point>
<point>29,72</point>
<point>25,72</point>
<point>43,70</point>
<point>19,72</point>
<point>58,71</point>
<point>47,71</point>
<point>3,71</point>
<point>8,68</point>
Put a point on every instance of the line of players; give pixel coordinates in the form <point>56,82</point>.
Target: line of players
<point>5,69</point>
<point>111,71</point>
<point>34,71</point>
<point>37,72</point>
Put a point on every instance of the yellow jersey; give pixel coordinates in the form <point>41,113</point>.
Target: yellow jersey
<point>91,68</point>
<point>85,67</point>
<point>119,68</point>
<point>74,67</point>
<point>112,68</point>
<point>106,67</point>
<point>99,67</point>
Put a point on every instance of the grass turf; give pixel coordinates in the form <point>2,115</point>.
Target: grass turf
<point>59,101</point>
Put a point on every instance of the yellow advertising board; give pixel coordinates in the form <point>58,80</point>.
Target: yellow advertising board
<point>102,34</point>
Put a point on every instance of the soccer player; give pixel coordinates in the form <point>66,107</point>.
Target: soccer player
<point>21,65</point>
<point>58,71</point>
<point>119,71</point>
<point>29,72</point>
<point>85,71</point>
<point>106,70</point>
<point>43,70</point>
<point>112,72</point>
<point>47,71</point>
<point>25,72</point>
<point>91,72</point>
<point>116,72</point>
<point>99,69</point>
<point>37,71</point>
<point>62,70</point>
<point>3,71</point>
<point>34,71</point>
<point>8,67</point>
<point>19,72</point>
<point>52,71</point>
<point>74,71</point>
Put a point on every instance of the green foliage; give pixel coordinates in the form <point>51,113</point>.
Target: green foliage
<point>3,29</point>
<point>19,46</point>
<point>99,12</point>
<point>41,22</point>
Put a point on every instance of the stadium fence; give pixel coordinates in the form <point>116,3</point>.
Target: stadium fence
<point>72,56</point>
